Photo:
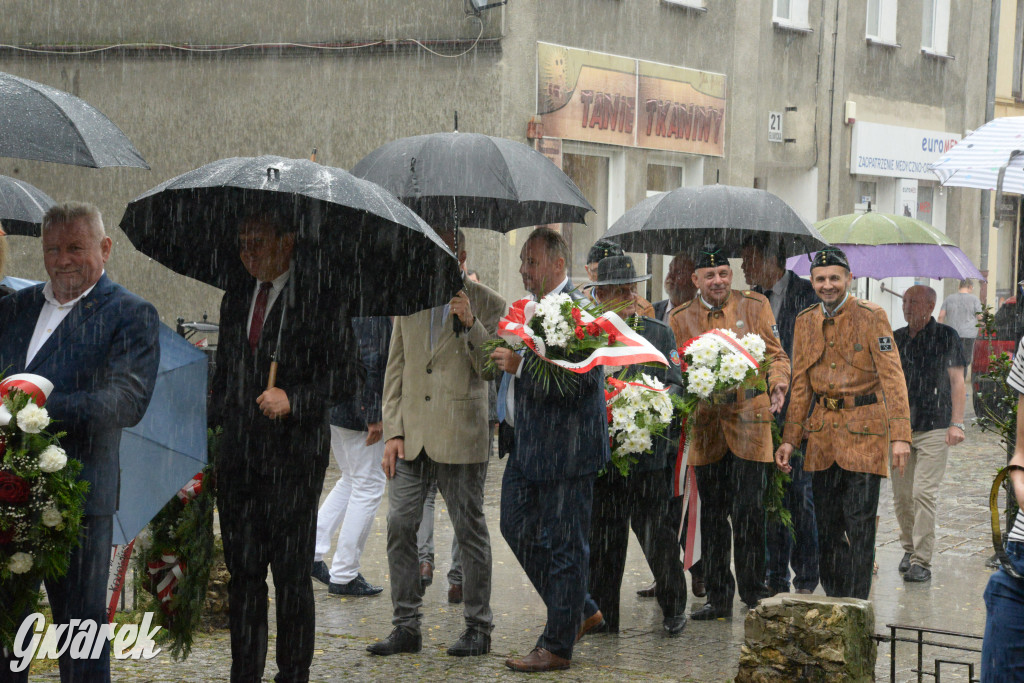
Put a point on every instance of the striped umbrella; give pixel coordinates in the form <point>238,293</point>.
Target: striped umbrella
<point>977,160</point>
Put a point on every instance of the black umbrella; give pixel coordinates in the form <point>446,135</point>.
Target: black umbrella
<point>475,181</point>
<point>43,123</point>
<point>686,218</point>
<point>356,242</point>
<point>22,207</point>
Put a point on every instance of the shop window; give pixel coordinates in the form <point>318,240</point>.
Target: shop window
<point>791,14</point>
<point>935,27</point>
<point>590,173</point>
<point>881,22</point>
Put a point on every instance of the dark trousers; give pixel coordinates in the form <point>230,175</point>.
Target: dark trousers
<point>733,489</point>
<point>1002,650</point>
<point>641,501</point>
<point>80,594</point>
<point>546,524</point>
<point>803,552</point>
<point>845,506</point>
<point>269,520</point>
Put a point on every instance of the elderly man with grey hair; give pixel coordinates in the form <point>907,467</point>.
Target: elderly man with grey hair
<point>933,365</point>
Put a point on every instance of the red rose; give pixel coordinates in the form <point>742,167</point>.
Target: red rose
<point>593,329</point>
<point>579,332</point>
<point>13,489</point>
<point>609,414</point>
<point>683,366</point>
<point>6,536</point>
<point>612,338</point>
<point>577,316</point>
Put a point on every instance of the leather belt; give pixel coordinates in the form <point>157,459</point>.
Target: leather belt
<point>721,398</point>
<point>847,402</point>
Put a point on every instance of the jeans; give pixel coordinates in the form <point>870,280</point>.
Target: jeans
<point>1002,651</point>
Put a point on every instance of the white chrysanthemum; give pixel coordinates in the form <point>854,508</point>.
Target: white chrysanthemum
<point>733,368</point>
<point>704,352</point>
<point>727,332</point>
<point>51,517</point>
<point>652,382</point>
<point>32,419</point>
<point>754,346</point>
<point>661,405</point>
<point>19,563</point>
<point>551,305</point>
<point>700,381</point>
<point>52,459</point>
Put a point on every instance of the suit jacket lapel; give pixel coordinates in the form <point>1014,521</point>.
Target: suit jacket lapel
<point>81,312</point>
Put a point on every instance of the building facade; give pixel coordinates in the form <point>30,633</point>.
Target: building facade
<point>829,104</point>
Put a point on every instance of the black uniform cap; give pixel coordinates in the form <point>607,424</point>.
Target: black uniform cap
<point>830,256</point>
<point>710,256</point>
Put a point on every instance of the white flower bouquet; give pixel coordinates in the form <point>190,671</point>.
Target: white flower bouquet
<point>719,361</point>
<point>41,501</point>
<point>640,409</point>
<point>571,337</point>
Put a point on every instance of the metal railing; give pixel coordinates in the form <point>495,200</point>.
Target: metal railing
<point>921,641</point>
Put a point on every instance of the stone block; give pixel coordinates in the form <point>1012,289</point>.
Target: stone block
<point>810,638</point>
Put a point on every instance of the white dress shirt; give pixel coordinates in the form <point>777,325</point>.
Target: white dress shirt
<point>276,285</point>
<point>50,317</point>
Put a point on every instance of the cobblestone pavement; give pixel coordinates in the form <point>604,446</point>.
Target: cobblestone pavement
<point>704,652</point>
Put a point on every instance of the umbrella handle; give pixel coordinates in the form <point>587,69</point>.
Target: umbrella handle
<point>272,375</point>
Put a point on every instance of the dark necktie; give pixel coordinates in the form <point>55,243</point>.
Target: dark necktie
<point>258,312</point>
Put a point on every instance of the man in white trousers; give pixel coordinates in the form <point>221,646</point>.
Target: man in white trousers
<point>350,507</point>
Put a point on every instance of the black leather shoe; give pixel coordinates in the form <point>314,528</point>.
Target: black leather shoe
<point>399,640</point>
<point>357,587</point>
<point>470,644</point>
<point>649,592</point>
<point>674,625</point>
<point>321,573</point>
<point>707,612</point>
<point>917,574</point>
<point>905,563</point>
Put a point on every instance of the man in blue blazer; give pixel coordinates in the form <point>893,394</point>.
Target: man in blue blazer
<point>560,443</point>
<point>764,267</point>
<point>98,343</point>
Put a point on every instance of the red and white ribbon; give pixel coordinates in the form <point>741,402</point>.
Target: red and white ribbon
<point>730,344</point>
<point>618,385</point>
<point>164,575</point>
<point>37,387</point>
<point>515,329</point>
<point>190,490</point>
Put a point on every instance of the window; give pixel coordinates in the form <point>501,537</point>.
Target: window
<point>791,14</point>
<point>1018,54</point>
<point>935,26</point>
<point>881,24</point>
<point>692,4</point>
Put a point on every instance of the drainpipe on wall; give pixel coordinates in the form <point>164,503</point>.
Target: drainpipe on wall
<point>990,110</point>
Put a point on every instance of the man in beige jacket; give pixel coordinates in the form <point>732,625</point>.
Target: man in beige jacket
<point>436,429</point>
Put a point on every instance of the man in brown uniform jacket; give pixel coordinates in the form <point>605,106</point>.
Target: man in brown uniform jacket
<point>850,402</point>
<point>731,440</point>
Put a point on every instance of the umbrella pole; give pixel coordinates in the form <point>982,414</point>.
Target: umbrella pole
<point>272,375</point>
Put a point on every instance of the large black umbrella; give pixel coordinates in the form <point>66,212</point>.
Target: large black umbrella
<point>356,244</point>
<point>686,218</point>
<point>475,181</point>
<point>43,123</point>
<point>22,207</point>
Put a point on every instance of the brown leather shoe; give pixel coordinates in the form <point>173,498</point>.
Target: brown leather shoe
<point>537,661</point>
<point>589,624</point>
<point>648,592</point>
<point>426,574</point>
<point>455,594</point>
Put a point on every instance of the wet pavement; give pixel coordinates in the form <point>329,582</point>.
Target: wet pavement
<point>952,600</point>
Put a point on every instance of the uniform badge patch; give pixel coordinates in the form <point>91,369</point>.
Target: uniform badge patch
<point>674,357</point>
<point>775,331</point>
<point>885,343</point>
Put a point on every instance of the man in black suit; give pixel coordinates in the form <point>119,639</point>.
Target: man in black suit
<point>99,345</point>
<point>764,267</point>
<point>276,442</point>
<point>561,442</point>
<point>643,498</point>
<point>678,286</point>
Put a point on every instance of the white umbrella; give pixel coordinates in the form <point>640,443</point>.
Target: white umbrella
<point>993,150</point>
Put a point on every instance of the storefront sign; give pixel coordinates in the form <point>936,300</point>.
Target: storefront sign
<point>597,97</point>
<point>897,152</point>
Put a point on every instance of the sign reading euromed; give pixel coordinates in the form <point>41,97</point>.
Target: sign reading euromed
<point>897,152</point>
<point>598,97</point>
